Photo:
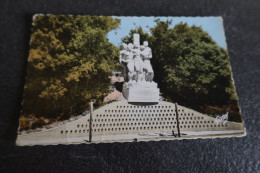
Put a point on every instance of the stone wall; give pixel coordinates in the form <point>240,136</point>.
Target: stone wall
<point>121,118</point>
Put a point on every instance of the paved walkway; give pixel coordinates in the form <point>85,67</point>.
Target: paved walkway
<point>130,137</point>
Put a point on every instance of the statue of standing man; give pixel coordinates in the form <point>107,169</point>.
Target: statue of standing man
<point>147,56</point>
<point>138,64</point>
<point>123,61</point>
<point>126,59</point>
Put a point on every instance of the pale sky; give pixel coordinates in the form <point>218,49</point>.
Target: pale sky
<point>212,25</point>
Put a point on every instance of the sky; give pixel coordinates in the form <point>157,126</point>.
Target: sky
<point>212,25</point>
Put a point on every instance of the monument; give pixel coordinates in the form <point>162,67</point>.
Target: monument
<point>139,86</point>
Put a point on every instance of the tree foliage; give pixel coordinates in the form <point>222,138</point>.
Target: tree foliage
<point>69,63</point>
<point>191,69</point>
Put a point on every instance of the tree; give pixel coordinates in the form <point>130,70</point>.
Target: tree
<point>191,69</point>
<point>69,63</point>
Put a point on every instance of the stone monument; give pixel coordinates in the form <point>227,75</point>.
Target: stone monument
<point>139,86</point>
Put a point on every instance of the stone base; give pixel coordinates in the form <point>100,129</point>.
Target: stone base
<point>143,93</point>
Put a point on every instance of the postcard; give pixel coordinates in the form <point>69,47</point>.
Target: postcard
<point>93,79</point>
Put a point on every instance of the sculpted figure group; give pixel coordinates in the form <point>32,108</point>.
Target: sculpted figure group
<point>135,60</point>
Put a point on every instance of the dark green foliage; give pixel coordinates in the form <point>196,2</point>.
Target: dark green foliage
<point>69,64</point>
<point>191,69</point>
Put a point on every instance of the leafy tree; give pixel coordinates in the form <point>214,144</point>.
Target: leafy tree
<point>191,69</point>
<point>24,123</point>
<point>69,63</point>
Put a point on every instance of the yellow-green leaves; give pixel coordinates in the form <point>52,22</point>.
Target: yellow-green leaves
<point>54,90</point>
<point>69,64</point>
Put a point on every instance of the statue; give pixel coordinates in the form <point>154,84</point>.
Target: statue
<point>138,63</point>
<point>135,60</point>
<point>139,86</point>
<point>147,56</point>
<point>123,62</point>
<point>130,62</point>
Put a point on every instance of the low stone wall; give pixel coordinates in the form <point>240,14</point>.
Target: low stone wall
<point>121,118</point>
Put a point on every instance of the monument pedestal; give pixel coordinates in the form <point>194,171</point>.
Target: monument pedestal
<point>143,92</point>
